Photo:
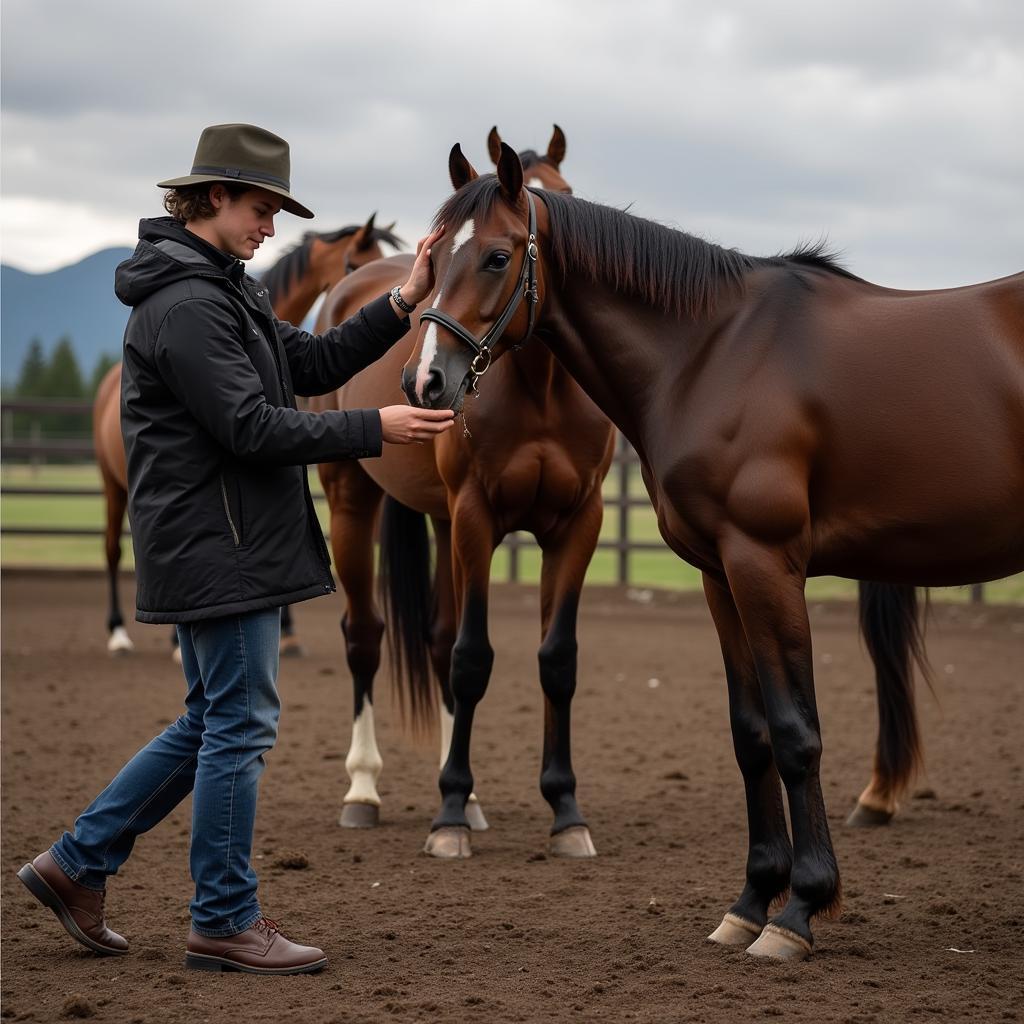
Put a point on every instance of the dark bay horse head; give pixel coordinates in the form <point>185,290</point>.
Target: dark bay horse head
<point>487,276</point>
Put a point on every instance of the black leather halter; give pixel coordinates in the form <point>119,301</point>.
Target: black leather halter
<point>526,288</point>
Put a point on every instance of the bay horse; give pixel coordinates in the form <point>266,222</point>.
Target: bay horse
<point>531,457</point>
<point>295,281</point>
<point>791,419</point>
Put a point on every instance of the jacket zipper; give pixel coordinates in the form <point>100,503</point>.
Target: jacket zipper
<point>227,511</point>
<point>272,343</point>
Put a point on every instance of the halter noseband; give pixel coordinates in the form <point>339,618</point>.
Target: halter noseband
<point>526,288</point>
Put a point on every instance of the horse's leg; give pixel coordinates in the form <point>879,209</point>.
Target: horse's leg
<point>442,639</point>
<point>565,561</point>
<point>472,658</point>
<point>291,646</point>
<point>892,632</point>
<point>769,852</point>
<point>354,500</point>
<point>767,584</point>
<point>118,641</point>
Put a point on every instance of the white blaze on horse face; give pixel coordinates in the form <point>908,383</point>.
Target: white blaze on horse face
<point>428,351</point>
<point>535,183</point>
<point>463,235</point>
<point>364,762</point>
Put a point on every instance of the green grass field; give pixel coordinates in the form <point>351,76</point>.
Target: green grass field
<point>647,568</point>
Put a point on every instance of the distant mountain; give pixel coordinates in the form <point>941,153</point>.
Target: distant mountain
<point>77,301</point>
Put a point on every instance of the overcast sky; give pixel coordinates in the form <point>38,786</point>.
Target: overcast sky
<point>896,128</point>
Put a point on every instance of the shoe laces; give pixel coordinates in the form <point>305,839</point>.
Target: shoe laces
<point>266,925</point>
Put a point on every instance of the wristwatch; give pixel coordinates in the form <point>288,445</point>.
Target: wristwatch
<point>404,306</point>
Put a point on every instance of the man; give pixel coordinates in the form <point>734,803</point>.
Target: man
<point>224,531</point>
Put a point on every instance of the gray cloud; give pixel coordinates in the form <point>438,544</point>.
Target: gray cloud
<point>893,128</point>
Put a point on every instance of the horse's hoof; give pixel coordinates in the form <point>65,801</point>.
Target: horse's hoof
<point>475,817</point>
<point>119,642</point>
<point>777,943</point>
<point>176,655</point>
<point>359,816</point>
<point>572,842</point>
<point>291,648</point>
<point>863,816</point>
<point>734,931</point>
<point>449,843</point>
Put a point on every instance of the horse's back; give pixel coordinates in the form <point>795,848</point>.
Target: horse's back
<point>919,404</point>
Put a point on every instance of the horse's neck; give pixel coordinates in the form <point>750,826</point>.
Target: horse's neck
<point>614,349</point>
<point>298,300</point>
<point>536,370</point>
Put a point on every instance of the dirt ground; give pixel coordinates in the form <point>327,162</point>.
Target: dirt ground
<point>933,920</point>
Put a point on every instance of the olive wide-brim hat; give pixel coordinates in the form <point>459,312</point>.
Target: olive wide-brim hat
<point>243,153</point>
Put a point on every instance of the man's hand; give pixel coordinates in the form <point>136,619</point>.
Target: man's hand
<point>421,277</point>
<point>405,424</point>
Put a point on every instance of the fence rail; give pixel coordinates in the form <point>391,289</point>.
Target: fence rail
<point>37,449</point>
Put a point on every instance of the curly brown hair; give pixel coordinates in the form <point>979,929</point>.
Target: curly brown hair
<point>192,202</point>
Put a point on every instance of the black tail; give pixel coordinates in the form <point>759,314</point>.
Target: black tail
<point>893,632</point>
<point>405,592</point>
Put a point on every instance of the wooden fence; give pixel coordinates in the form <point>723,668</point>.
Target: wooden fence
<point>36,449</point>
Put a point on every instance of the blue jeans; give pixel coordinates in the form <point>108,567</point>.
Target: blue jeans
<point>215,751</point>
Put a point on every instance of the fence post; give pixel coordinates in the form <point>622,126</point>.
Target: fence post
<point>977,593</point>
<point>513,557</point>
<point>36,436</point>
<point>622,446</point>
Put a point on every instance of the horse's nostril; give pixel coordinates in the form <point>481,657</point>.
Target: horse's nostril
<point>434,388</point>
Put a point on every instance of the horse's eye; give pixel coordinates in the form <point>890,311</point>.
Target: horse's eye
<point>497,261</point>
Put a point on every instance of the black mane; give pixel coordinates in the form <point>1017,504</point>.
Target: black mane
<point>670,269</point>
<point>293,263</point>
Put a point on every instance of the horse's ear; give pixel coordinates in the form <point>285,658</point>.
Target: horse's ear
<point>392,238</point>
<point>364,237</point>
<point>510,172</point>
<point>460,170</point>
<point>494,144</point>
<point>556,147</point>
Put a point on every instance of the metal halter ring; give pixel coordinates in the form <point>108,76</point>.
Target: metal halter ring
<point>481,362</point>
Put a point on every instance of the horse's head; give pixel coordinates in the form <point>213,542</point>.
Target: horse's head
<point>540,171</point>
<point>338,253</point>
<point>488,281</point>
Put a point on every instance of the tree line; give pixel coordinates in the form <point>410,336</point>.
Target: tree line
<point>58,375</point>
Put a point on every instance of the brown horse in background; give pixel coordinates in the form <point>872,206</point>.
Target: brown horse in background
<point>295,282</point>
<point>791,419</point>
<point>533,457</point>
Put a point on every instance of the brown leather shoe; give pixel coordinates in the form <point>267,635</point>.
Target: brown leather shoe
<point>261,949</point>
<point>79,909</point>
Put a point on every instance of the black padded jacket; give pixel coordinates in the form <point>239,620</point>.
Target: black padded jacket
<point>221,515</point>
